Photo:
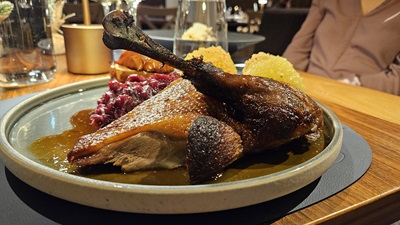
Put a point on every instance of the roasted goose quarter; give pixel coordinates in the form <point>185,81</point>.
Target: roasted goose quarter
<point>154,134</point>
<point>216,117</point>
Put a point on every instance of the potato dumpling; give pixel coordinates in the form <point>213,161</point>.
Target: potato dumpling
<point>217,56</point>
<point>275,67</point>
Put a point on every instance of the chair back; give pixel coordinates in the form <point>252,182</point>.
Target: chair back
<point>153,17</point>
<point>279,26</point>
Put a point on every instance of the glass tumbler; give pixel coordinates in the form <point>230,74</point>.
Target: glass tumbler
<point>200,23</point>
<point>26,46</point>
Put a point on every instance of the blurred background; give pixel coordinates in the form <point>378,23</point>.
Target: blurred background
<point>276,20</point>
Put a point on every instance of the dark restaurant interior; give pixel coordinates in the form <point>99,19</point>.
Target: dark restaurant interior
<point>282,20</point>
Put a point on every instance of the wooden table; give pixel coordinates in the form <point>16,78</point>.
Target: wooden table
<point>373,199</point>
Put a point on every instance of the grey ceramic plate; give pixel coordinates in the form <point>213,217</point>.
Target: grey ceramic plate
<point>236,41</point>
<point>49,112</point>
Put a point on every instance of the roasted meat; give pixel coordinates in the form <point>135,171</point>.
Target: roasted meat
<point>212,146</point>
<point>206,120</point>
<point>154,134</point>
<point>265,112</point>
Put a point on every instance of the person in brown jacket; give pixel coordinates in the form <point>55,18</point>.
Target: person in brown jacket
<point>353,41</point>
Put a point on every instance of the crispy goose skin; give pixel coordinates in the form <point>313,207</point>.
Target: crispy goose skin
<point>212,146</point>
<point>266,113</point>
<point>167,115</point>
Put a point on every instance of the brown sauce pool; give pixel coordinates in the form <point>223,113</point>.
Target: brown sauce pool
<point>52,152</point>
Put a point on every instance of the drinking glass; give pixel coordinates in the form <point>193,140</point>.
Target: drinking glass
<point>127,5</point>
<point>26,46</point>
<point>200,23</point>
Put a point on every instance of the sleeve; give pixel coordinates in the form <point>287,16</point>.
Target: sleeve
<point>298,51</point>
<point>387,80</point>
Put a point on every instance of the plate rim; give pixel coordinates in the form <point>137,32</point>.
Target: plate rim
<point>257,37</point>
<point>11,155</point>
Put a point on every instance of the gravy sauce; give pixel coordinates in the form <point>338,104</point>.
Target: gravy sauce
<point>52,151</point>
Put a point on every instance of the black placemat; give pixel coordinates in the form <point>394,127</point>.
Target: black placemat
<point>22,204</point>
